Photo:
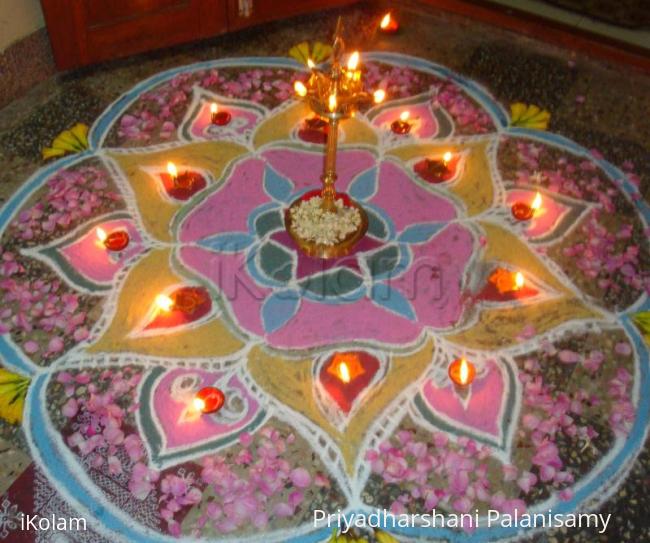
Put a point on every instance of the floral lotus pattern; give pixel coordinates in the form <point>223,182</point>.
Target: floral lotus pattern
<point>334,372</point>
<point>295,301</point>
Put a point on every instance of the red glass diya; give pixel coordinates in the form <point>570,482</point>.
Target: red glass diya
<point>504,285</point>
<point>189,299</point>
<point>314,130</point>
<point>401,126</point>
<point>346,367</point>
<point>209,400</point>
<point>117,240</point>
<point>182,186</point>
<point>316,123</point>
<point>461,372</point>
<point>507,281</point>
<point>346,375</point>
<point>220,118</point>
<point>184,305</point>
<point>524,212</point>
<point>388,24</point>
<point>437,170</point>
<point>184,181</point>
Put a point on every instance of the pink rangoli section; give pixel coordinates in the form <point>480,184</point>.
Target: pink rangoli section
<point>91,258</point>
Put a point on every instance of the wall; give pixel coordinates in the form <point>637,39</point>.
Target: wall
<point>18,19</point>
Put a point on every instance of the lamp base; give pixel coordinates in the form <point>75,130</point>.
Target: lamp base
<point>320,250</point>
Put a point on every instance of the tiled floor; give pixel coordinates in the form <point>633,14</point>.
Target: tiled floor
<point>14,461</point>
<point>636,37</point>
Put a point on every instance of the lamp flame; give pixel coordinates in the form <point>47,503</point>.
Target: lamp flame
<point>537,202</point>
<point>300,88</point>
<point>463,372</point>
<point>404,116</point>
<point>214,108</point>
<point>101,234</point>
<point>344,372</point>
<point>311,64</point>
<point>199,404</point>
<point>519,280</point>
<point>332,102</point>
<point>385,21</point>
<point>171,169</point>
<point>379,96</point>
<point>446,158</point>
<point>164,302</point>
<point>353,61</point>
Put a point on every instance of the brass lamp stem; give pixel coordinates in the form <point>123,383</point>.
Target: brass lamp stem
<point>335,95</point>
<point>329,176</point>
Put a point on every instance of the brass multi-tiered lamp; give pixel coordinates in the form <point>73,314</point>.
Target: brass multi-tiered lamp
<point>334,95</point>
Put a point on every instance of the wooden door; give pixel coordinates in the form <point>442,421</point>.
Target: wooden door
<point>242,13</point>
<point>87,31</point>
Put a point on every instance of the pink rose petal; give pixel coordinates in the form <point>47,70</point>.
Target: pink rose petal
<point>300,477</point>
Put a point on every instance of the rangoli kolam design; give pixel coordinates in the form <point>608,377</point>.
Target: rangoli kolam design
<point>151,285</point>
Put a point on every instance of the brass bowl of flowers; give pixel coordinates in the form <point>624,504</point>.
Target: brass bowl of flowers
<point>324,234</point>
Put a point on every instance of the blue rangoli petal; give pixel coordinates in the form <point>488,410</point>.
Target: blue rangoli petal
<point>278,309</point>
<point>386,296</point>
<point>364,185</point>
<point>276,186</point>
<point>419,233</point>
<point>229,242</point>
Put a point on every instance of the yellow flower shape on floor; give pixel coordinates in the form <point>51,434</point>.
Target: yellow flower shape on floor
<point>642,321</point>
<point>381,537</point>
<point>68,141</point>
<point>13,389</point>
<point>529,116</point>
<point>318,52</point>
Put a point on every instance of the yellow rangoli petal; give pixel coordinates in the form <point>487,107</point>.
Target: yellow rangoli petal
<point>475,185</point>
<point>151,276</point>
<point>278,127</point>
<point>499,327</point>
<point>291,383</point>
<point>156,211</point>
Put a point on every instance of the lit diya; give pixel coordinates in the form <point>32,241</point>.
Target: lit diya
<point>117,240</point>
<point>345,367</point>
<point>462,373</point>
<point>186,300</point>
<point>316,122</point>
<point>506,281</point>
<point>345,375</point>
<point>182,186</point>
<point>300,89</point>
<point>209,400</point>
<point>314,130</point>
<point>182,181</point>
<point>219,117</point>
<point>180,307</point>
<point>388,24</point>
<point>332,102</point>
<point>401,125</point>
<point>353,64</point>
<point>437,170</point>
<point>164,303</point>
<point>523,211</point>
